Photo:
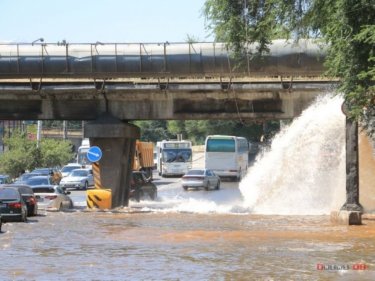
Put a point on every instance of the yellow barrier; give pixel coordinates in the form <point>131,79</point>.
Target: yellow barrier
<point>96,172</point>
<point>99,198</point>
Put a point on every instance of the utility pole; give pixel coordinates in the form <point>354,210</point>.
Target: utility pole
<point>65,130</point>
<point>39,133</point>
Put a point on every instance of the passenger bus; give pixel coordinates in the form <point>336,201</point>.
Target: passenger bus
<point>82,153</point>
<point>174,157</point>
<point>227,156</point>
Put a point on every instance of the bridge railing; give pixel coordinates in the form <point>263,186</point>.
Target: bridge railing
<point>157,60</point>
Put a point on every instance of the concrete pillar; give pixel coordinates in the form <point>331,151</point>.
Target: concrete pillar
<point>352,167</point>
<point>351,211</point>
<point>116,139</point>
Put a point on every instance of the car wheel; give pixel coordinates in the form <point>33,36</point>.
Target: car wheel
<point>207,187</point>
<point>61,207</point>
<point>137,196</point>
<point>86,186</point>
<point>217,185</point>
<point>24,217</point>
<point>239,176</point>
<point>153,195</point>
<point>185,187</point>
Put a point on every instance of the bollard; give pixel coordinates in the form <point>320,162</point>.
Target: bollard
<point>96,172</point>
<point>99,198</point>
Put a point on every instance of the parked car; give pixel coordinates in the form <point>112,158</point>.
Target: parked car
<point>52,197</point>
<point>79,179</point>
<point>5,179</point>
<point>12,205</point>
<point>65,171</point>
<point>39,180</point>
<point>141,187</point>
<point>197,178</point>
<point>28,196</point>
<point>22,178</point>
<point>53,172</point>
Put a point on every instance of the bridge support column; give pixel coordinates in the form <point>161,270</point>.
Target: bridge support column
<point>351,211</point>
<point>116,139</point>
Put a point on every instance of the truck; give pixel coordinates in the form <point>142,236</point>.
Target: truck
<point>143,157</point>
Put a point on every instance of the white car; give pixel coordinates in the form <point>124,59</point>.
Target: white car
<point>65,171</point>
<point>79,179</point>
<point>197,178</point>
<point>52,197</point>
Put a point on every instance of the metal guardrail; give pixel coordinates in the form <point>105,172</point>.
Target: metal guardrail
<point>154,60</point>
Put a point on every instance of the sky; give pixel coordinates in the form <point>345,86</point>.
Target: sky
<point>107,21</point>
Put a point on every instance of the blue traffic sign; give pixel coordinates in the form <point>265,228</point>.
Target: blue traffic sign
<point>94,154</point>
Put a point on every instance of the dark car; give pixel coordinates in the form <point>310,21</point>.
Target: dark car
<point>28,196</point>
<point>5,179</point>
<point>23,178</point>
<point>53,172</point>
<point>12,205</point>
<point>141,187</point>
<point>39,180</point>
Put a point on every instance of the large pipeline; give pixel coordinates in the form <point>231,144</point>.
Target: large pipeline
<point>182,60</point>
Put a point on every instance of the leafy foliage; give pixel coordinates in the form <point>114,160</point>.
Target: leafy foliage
<point>197,130</point>
<point>347,26</point>
<point>23,154</point>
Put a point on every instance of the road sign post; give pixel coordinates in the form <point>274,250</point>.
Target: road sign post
<point>94,154</point>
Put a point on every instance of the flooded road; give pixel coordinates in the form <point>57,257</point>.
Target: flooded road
<point>274,225</point>
<point>157,241</point>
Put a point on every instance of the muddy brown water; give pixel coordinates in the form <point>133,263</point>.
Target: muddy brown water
<point>83,245</point>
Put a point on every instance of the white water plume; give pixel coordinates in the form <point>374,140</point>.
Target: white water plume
<point>303,172</point>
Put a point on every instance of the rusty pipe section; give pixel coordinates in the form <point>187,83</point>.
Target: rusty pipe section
<point>153,60</point>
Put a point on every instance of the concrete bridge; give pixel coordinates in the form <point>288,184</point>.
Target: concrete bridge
<point>157,81</point>
<point>111,84</point>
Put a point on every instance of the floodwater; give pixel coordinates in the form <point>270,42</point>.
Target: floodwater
<point>274,225</point>
<point>184,246</point>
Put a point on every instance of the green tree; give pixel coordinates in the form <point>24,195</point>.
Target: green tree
<point>23,154</point>
<point>176,127</point>
<point>197,130</point>
<point>55,152</point>
<point>346,26</point>
<point>153,130</point>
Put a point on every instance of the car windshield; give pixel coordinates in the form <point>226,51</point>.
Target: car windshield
<point>43,189</point>
<point>78,173</point>
<point>42,171</point>
<point>3,180</point>
<point>195,172</point>
<point>138,177</point>
<point>8,194</point>
<point>68,169</point>
<point>177,155</point>
<point>37,181</point>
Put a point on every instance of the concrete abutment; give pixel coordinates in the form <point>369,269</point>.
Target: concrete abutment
<point>117,140</point>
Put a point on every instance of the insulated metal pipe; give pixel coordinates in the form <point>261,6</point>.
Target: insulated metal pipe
<point>145,60</point>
